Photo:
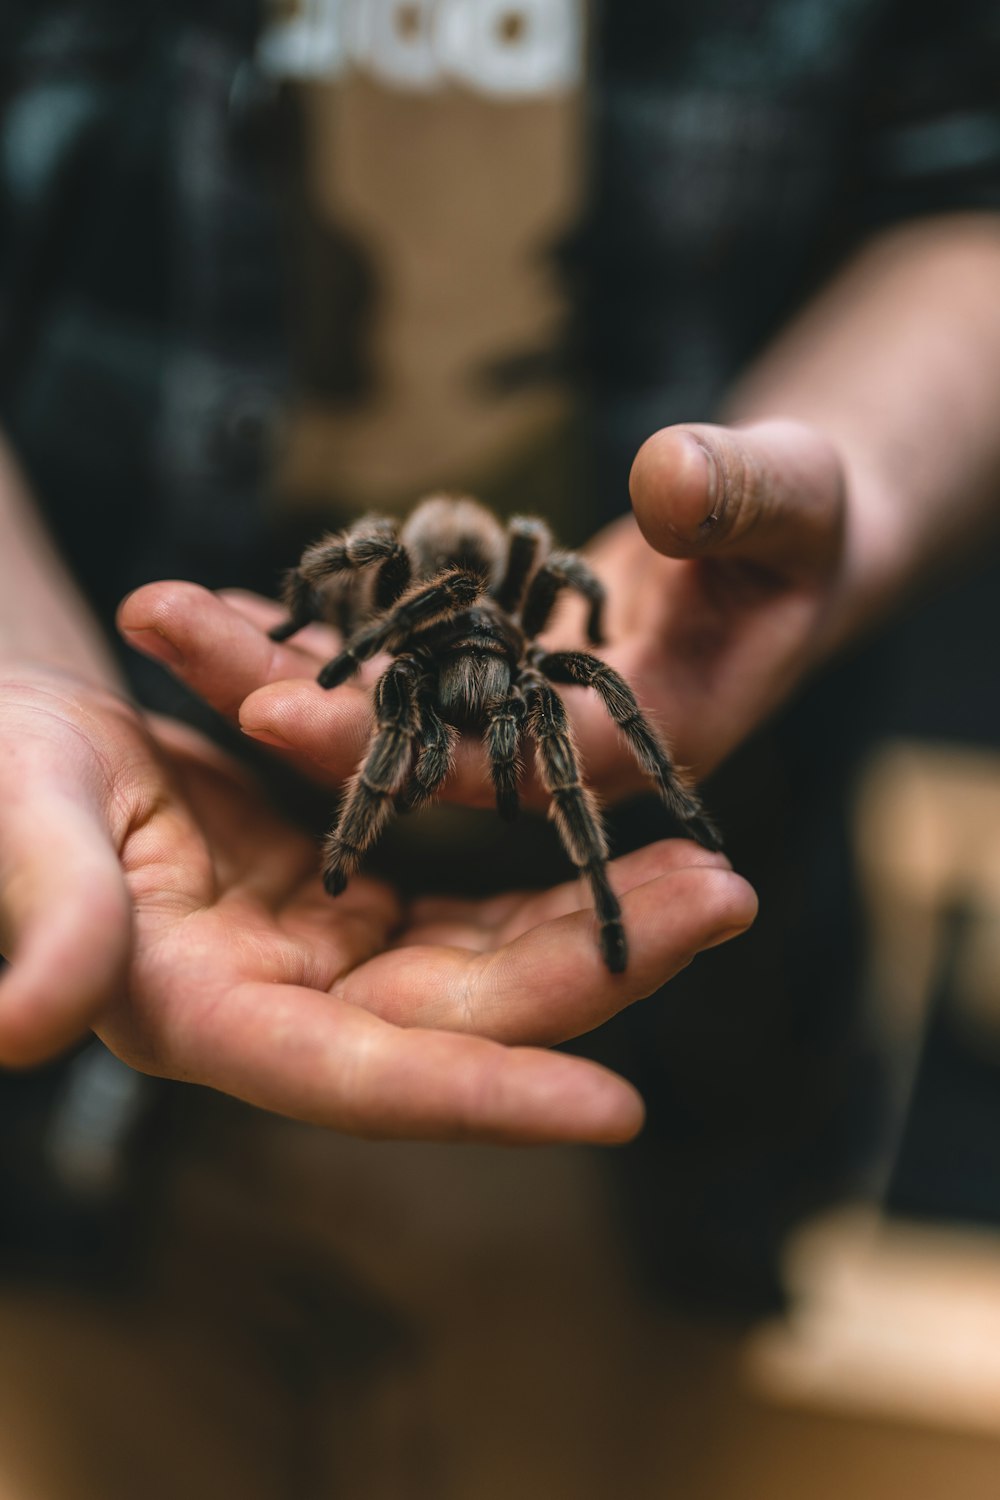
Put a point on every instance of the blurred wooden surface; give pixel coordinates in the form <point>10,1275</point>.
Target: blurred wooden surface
<point>327,1318</point>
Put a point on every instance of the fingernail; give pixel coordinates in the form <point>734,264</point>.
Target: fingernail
<point>152,642</point>
<point>265,736</point>
<point>712,485</point>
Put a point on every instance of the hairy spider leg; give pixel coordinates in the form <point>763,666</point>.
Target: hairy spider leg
<point>368,800</point>
<point>424,605</point>
<point>584,670</point>
<point>560,571</point>
<point>302,603</point>
<point>437,753</point>
<point>529,541</point>
<point>372,540</point>
<point>504,725</point>
<point>575,814</point>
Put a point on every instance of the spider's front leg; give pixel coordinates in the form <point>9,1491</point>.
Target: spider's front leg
<point>425,604</point>
<point>575,814</point>
<point>563,570</point>
<point>368,800</point>
<point>339,557</point>
<point>584,670</point>
<point>529,540</point>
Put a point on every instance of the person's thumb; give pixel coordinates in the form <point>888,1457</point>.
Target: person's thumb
<point>770,493</point>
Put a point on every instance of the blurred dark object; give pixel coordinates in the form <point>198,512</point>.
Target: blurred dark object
<point>938,672</point>
<point>81,1156</point>
<point>142,318</point>
<point>948,1163</point>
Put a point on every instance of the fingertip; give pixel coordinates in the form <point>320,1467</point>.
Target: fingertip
<point>711,903</point>
<point>26,1041</point>
<point>618,1112</point>
<point>332,728</point>
<point>154,643</point>
<point>675,488</point>
<point>738,909</point>
<point>156,618</point>
<point>559,1098</point>
<point>277,705</point>
<point>154,605</point>
<point>261,709</point>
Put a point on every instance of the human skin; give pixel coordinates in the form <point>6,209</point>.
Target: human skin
<point>148,891</point>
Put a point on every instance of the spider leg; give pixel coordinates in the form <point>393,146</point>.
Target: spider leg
<point>372,540</point>
<point>563,570</point>
<point>504,723</point>
<point>436,757</point>
<point>424,605</point>
<point>584,670</point>
<point>368,801</point>
<point>575,814</point>
<point>529,540</point>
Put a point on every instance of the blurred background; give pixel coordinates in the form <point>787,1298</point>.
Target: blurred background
<point>422,244</point>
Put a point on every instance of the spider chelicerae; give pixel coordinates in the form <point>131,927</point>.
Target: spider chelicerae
<point>458,602</point>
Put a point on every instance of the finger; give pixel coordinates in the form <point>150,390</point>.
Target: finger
<point>316,1058</point>
<point>329,730</point>
<point>549,982</point>
<point>772,493</point>
<point>66,919</point>
<point>484,924</point>
<point>321,642</point>
<point>210,646</point>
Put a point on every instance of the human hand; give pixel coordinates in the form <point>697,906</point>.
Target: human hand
<point>709,620</point>
<point>725,587</point>
<point>146,890</point>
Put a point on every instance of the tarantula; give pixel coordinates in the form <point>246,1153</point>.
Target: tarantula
<point>458,603</point>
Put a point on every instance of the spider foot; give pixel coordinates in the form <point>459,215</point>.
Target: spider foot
<point>508,803</point>
<point>694,821</point>
<point>335,879</point>
<point>406,801</point>
<point>337,671</point>
<point>614,946</point>
<point>284,631</point>
<point>412,797</point>
<point>701,827</point>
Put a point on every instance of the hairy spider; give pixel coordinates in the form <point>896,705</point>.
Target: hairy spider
<point>458,603</point>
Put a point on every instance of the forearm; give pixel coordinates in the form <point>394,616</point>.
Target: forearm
<point>43,618</point>
<point>897,362</point>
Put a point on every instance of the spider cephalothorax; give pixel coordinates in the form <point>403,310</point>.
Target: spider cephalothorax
<point>458,602</point>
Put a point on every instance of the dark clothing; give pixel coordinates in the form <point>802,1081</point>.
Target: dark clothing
<point>141,353</point>
<point>741,149</point>
<point>744,147</point>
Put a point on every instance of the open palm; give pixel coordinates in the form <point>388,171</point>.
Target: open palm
<point>139,863</point>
